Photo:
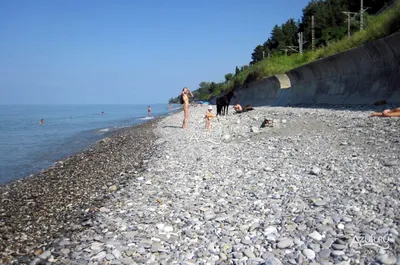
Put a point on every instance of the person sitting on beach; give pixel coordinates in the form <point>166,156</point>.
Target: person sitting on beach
<point>387,113</point>
<point>237,107</point>
<point>208,118</point>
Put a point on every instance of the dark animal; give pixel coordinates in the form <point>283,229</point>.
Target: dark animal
<point>223,103</point>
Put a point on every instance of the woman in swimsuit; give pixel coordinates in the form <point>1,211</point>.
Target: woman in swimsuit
<point>185,99</point>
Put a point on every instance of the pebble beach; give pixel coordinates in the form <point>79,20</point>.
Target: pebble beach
<point>318,186</point>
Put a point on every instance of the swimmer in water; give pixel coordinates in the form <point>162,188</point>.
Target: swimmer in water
<point>149,111</point>
<point>102,113</point>
<point>41,121</point>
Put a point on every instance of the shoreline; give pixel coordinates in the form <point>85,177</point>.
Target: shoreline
<point>307,190</point>
<point>53,202</point>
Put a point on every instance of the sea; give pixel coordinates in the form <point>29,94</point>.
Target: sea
<point>27,147</point>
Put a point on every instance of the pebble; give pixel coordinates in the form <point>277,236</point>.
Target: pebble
<point>387,259</point>
<point>310,254</point>
<point>315,171</point>
<point>285,243</point>
<point>324,253</point>
<point>316,236</point>
<point>337,253</point>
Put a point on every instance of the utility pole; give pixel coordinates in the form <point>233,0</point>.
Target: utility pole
<point>350,17</point>
<point>362,16</point>
<point>263,55</point>
<point>301,42</point>
<point>362,10</point>
<point>312,33</point>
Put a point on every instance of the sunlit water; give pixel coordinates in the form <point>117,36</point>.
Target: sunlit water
<point>26,146</point>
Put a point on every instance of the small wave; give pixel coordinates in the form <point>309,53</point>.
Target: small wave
<point>104,130</point>
<point>146,118</point>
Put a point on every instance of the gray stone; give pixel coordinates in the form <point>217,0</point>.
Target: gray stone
<point>315,171</point>
<point>116,253</point>
<point>337,253</point>
<point>387,259</point>
<point>316,236</point>
<point>247,252</point>
<point>338,246</point>
<point>285,243</point>
<point>45,255</point>
<point>324,253</point>
<point>310,254</point>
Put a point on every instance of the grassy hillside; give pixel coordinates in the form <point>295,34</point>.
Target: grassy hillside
<point>377,27</point>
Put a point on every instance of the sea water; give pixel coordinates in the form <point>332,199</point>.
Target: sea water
<point>26,146</point>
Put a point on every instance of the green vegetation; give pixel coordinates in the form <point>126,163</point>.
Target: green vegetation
<point>330,38</point>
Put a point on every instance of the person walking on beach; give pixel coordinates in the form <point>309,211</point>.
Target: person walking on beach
<point>185,101</point>
<point>149,111</point>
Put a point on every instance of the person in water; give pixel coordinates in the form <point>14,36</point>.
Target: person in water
<point>102,113</point>
<point>208,117</point>
<point>149,111</point>
<point>170,106</point>
<point>185,101</point>
<point>41,121</point>
<point>387,113</point>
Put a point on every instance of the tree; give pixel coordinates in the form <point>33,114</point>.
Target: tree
<point>289,32</point>
<point>228,77</point>
<point>212,88</point>
<point>258,54</point>
<point>237,71</point>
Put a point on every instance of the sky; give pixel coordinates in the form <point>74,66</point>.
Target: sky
<point>127,51</point>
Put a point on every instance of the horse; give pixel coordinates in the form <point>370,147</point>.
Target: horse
<point>223,103</point>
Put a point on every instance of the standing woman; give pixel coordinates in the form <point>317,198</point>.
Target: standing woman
<point>185,102</point>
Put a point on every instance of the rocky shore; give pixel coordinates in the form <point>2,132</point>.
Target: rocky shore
<point>61,200</point>
<point>319,186</point>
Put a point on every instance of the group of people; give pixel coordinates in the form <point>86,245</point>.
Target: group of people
<point>186,93</point>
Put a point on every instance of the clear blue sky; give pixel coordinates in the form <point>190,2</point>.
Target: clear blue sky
<point>127,51</point>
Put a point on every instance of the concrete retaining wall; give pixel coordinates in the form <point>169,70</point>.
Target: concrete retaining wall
<point>360,76</point>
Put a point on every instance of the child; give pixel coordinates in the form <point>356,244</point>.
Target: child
<point>209,116</point>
